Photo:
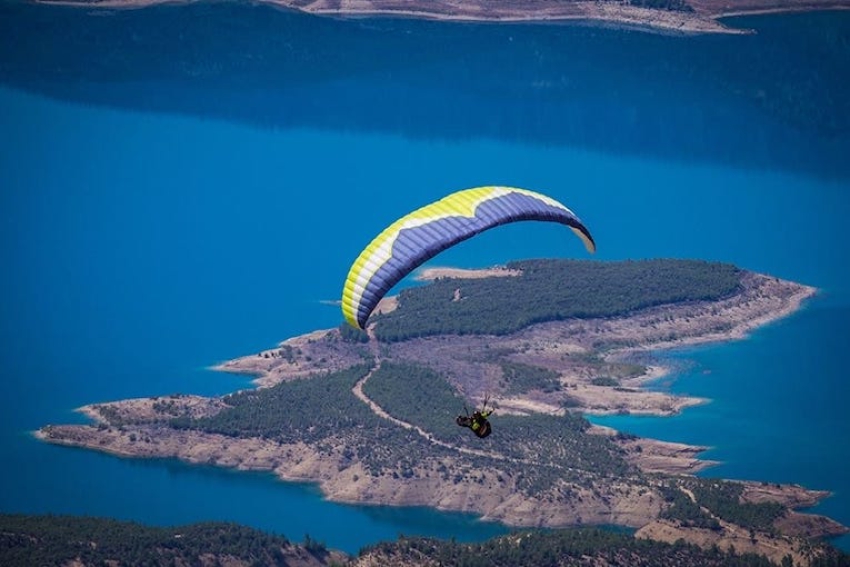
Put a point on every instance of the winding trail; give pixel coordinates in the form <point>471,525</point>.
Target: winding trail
<point>357,390</point>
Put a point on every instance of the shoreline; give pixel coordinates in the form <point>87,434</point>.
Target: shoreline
<point>752,313</point>
<point>659,370</point>
<point>703,16</point>
<point>139,428</point>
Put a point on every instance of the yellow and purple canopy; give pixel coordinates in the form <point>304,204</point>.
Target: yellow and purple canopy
<point>415,238</point>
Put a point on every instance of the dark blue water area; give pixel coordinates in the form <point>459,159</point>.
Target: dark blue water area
<point>138,251</point>
<point>167,492</point>
<point>770,100</point>
<point>151,225</point>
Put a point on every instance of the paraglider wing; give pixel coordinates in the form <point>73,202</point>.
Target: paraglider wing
<point>415,238</point>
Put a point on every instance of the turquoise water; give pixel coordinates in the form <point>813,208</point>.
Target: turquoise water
<point>776,407</point>
<point>138,252</point>
<point>153,224</point>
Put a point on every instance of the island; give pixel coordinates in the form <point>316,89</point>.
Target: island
<point>662,16</point>
<point>370,416</point>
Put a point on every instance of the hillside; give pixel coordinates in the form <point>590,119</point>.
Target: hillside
<point>26,541</point>
<point>371,420</point>
<point>81,541</point>
<point>664,16</point>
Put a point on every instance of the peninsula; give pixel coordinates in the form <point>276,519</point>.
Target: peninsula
<point>370,416</point>
<point>663,16</point>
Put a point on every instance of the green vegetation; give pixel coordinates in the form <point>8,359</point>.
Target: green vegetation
<point>552,290</point>
<point>557,548</point>
<point>112,415</point>
<point>287,353</point>
<point>57,540</point>
<point>308,410</point>
<point>416,394</point>
<point>669,5</point>
<point>521,378</point>
<point>60,540</point>
<point>685,510</point>
<point>552,459</point>
<point>352,335</point>
<point>719,498</point>
<point>723,499</point>
<point>557,445</point>
<point>561,449</point>
<point>323,412</point>
<point>319,411</point>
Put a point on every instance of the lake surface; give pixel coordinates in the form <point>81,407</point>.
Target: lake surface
<point>776,405</point>
<point>183,185</point>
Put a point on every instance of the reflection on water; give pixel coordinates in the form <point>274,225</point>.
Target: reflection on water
<point>140,247</point>
<point>770,100</point>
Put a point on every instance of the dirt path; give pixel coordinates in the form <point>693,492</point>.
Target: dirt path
<point>379,411</point>
<point>357,390</point>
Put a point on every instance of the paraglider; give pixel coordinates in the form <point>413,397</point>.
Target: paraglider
<point>477,422</point>
<point>418,236</point>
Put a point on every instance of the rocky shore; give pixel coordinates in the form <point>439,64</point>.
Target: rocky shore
<point>576,349</point>
<point>688,17</point>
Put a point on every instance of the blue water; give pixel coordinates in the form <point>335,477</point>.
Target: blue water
<point>138,251</point>
<point>777,405</point>
<point>145,238</point>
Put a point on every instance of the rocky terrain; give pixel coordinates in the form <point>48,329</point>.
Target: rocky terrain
<point>80,541</point>
<point>598,365</point>
<point>686,17</point>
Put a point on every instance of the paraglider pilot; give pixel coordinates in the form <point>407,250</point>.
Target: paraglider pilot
<point>478,422</point>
